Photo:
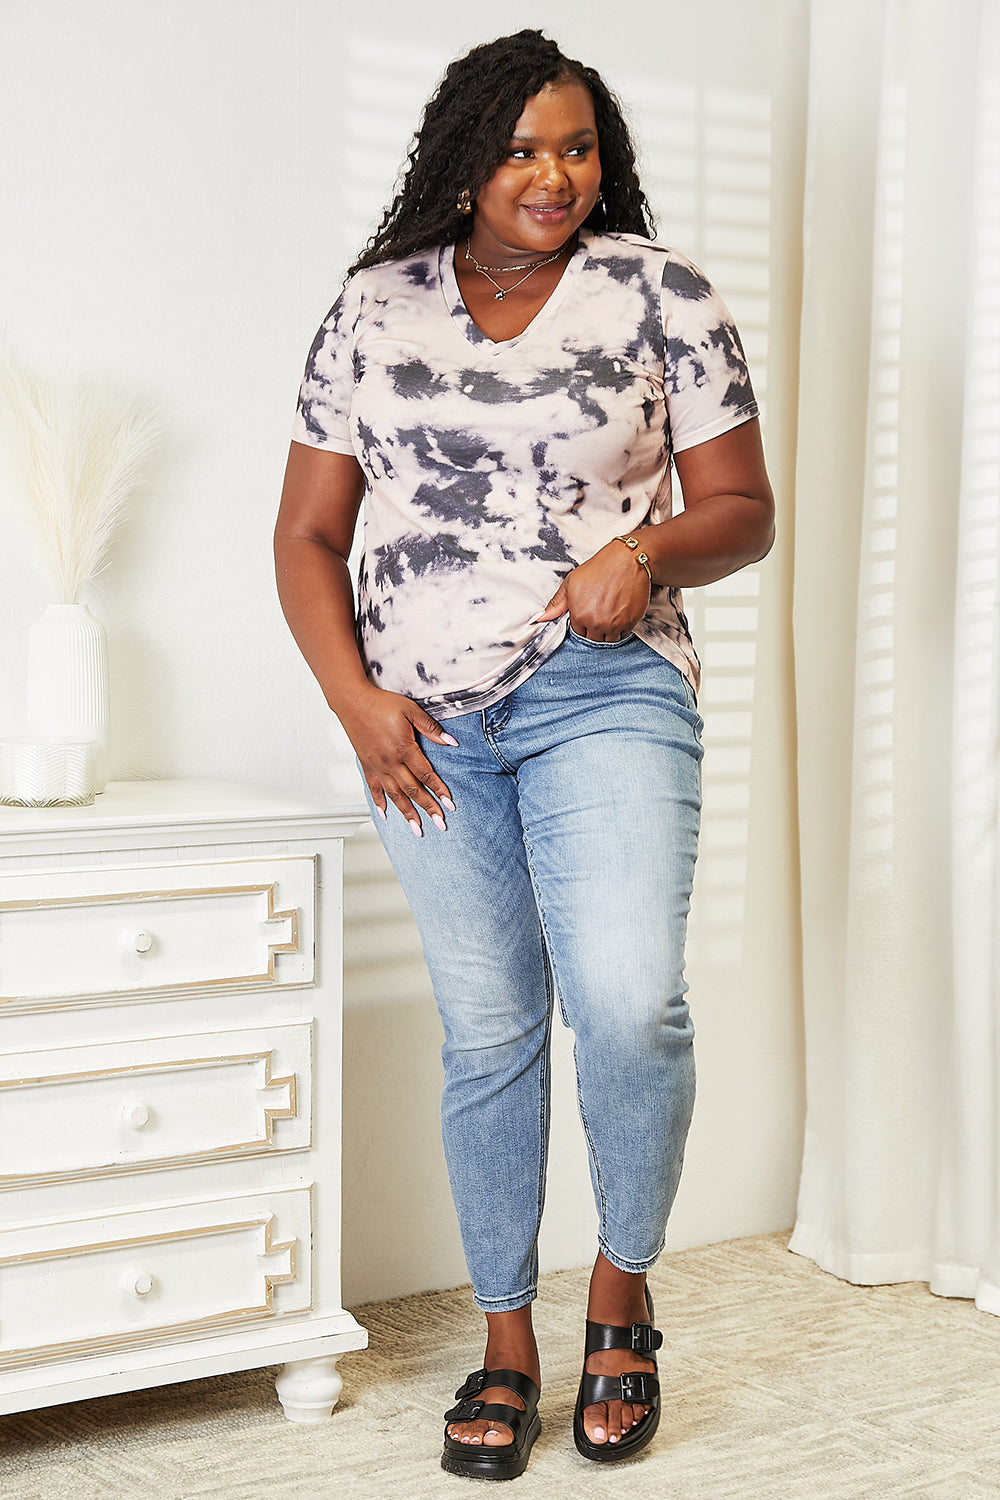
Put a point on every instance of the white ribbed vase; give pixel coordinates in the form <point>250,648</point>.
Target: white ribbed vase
<point>68,680</point>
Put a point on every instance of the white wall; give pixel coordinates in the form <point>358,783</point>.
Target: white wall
<point>181,186</point>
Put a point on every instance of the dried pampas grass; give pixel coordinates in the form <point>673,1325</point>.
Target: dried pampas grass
<point>75,450</point>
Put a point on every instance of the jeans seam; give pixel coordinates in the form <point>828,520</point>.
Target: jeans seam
<point>545,1092</point>
<point>623,1263</point>
<point>488,737</point>
<point>593,1151</point>
<point>579,1093</point>
<point>520,1298</point>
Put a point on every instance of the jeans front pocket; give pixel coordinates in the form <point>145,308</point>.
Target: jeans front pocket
<point>582,640</point>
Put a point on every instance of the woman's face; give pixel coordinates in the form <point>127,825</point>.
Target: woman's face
<point>549,181</point>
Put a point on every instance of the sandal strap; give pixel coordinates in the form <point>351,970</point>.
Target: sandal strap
<point>488,1411</point>
<point>513,1380</point>
<point>469,1409</point>
<point>510,1380</point>
<point>640,1387</point>
<point>641,1338</point>
<point>510,1416</point>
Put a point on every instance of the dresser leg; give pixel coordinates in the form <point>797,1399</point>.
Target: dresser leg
<point>309,1389</point>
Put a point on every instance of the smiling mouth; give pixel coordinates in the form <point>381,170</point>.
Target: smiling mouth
<point>548,210</point>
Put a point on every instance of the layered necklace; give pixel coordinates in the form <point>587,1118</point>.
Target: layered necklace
<point>502,291</point>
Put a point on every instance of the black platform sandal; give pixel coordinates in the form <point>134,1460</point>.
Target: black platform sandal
<point>482,1460</point>
<point>639,1387</point>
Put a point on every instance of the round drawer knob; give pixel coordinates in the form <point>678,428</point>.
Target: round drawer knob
<point>136,1115</point>
<point>141,1285</point>
<point>140,942</point>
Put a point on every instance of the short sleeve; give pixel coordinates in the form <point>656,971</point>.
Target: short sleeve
<point>706,380</point>
<point>322,417</point>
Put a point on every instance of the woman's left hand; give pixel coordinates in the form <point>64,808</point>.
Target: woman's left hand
<point>606,596</point>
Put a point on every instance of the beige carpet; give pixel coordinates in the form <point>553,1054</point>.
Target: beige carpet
<point>779,1381</point>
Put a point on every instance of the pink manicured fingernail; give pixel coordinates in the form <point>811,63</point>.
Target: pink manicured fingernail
<point>535,618</point>
<point>447,802</point>
<point>416,828</point>
<point>380,811</point>
<point>448,740</point>
<point>439,822</point>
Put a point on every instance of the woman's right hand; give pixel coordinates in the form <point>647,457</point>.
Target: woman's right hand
<point>312,541</point>
<point>383,729</point>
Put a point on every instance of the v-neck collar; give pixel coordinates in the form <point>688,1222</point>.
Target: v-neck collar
<point>463,318</point>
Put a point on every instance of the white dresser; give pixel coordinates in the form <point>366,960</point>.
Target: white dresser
<point>170,1083</point>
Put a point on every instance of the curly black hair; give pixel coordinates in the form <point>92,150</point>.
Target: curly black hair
<point>464,136</point>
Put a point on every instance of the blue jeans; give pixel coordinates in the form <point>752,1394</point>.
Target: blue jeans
<point>565,873</point>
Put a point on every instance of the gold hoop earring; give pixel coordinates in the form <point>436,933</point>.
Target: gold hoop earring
<point>464,204</point>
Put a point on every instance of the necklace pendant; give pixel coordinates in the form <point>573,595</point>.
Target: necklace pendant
<point>499,296</point>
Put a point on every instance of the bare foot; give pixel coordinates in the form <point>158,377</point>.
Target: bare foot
<point>619,1298</point>
<point>510,1345</point>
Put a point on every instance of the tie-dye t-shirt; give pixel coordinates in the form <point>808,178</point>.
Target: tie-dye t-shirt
<point>493,469</point>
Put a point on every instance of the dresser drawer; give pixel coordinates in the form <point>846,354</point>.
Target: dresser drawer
<point>164,1101</point>
<point>86,934</point>
<point>81,1286</point>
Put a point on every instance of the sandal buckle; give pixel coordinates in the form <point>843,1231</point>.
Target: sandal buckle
<point>473,1384</point>
<point>465,1411</point>
<point>646,1339</point>
<point>639,1386</point>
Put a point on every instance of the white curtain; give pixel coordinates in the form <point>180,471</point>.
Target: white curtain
<point>897,649</point>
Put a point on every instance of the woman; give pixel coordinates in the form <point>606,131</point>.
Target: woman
<point>505,379</point>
